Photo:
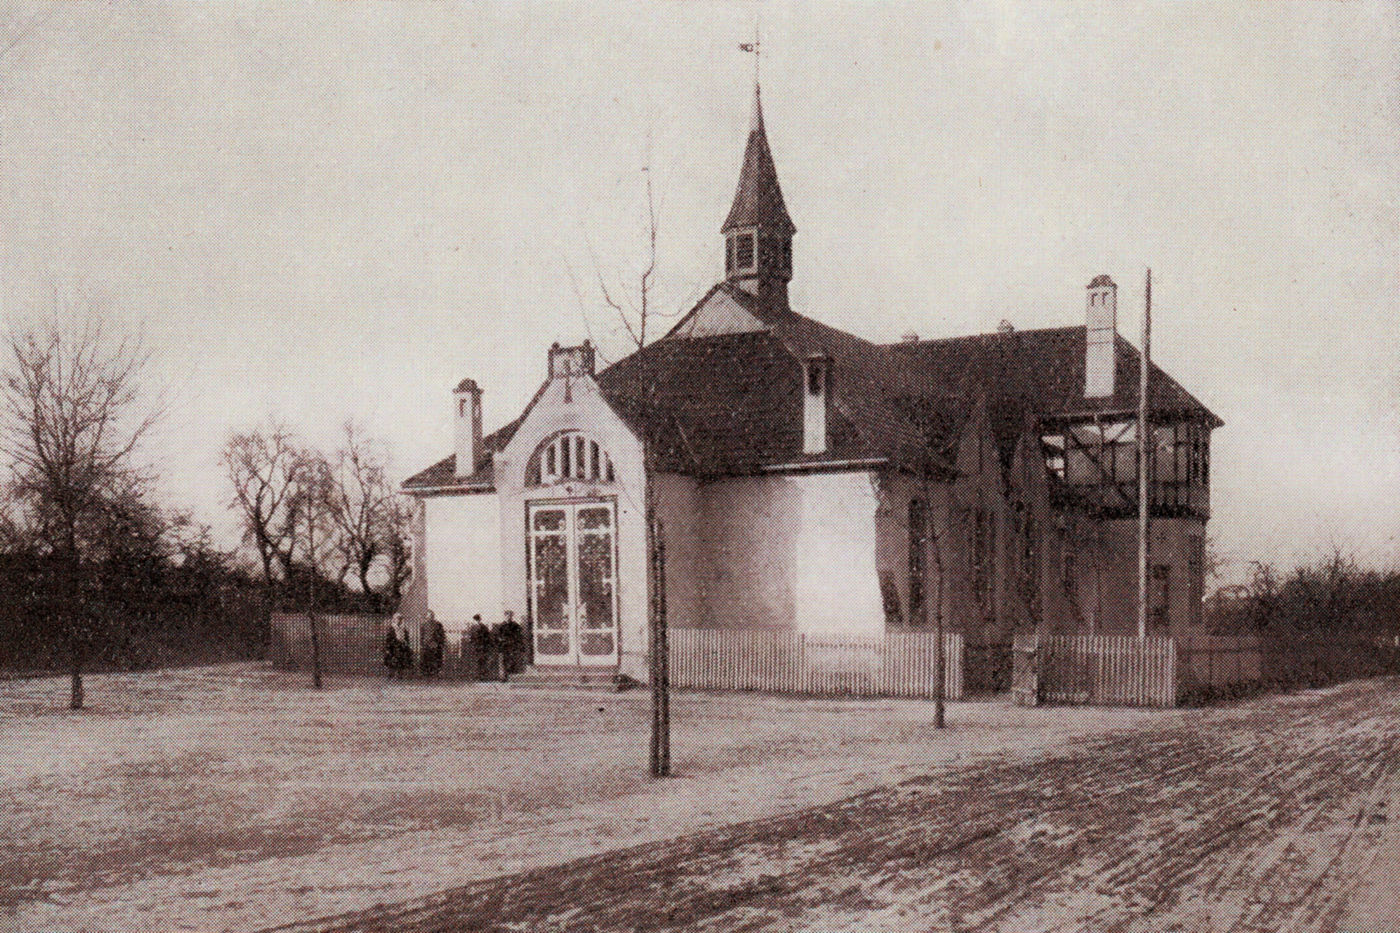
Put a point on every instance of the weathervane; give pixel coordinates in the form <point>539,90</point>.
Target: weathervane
<point>756,48</point>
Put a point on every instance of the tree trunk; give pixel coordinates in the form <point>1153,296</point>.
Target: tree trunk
<point>315,651</point>
<point>370,596</point>
<point>75,659</point>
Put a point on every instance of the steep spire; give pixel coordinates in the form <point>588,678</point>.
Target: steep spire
<point>759,201</point>
<point>758,232</point>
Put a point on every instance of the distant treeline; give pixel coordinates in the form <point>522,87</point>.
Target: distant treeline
<point>153,604</point>
<point>1331,598</point>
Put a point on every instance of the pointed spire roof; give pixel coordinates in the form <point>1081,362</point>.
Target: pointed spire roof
<point>759,200</point>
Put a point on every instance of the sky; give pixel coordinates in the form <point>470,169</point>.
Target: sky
<point>324,211</point>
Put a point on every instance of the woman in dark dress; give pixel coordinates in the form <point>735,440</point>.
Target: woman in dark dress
<point>392,652</point>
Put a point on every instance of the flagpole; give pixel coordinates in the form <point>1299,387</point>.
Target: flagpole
<point>1145,444</point>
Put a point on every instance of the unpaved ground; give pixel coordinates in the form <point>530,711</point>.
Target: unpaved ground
<point>234,798</point>
<point>1274,816</point>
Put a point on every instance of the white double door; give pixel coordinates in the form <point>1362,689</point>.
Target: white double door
<point>573,582</point>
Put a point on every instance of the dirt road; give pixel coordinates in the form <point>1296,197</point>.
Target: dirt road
<point>1276,815</point>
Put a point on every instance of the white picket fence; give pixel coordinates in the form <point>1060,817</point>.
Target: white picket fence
<point>1119,670</point>
<point>896,664</point>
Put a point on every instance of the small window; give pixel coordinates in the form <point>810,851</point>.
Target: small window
<point>743,251</point>
<point>461,408</point>
<point>768,253</point>
<point>814,378</point>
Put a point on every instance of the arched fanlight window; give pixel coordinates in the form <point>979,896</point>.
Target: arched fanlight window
<point>570,456</point>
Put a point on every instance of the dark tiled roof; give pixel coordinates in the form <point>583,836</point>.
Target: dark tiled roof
<point>1041,371</point>
<point>732,403</point>
<point>728,403</point>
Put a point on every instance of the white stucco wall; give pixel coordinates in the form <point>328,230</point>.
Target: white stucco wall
<point>790,552</point>
<point>463,559</point>
<point>748,532</point>
<point>677,501</point>
<point>836,585</point>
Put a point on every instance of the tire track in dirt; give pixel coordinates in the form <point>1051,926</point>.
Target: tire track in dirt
<point>1112,834</point>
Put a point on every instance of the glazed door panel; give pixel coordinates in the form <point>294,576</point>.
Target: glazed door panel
<point>596,600</point>
<point>550,597</point>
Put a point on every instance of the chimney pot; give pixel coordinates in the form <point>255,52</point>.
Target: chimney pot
<point>466,427</point>
<point>1100,337</point>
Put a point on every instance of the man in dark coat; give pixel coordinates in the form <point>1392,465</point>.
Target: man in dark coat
<point>434,639</point>
<point>511,639</point>
<point>481,650</point>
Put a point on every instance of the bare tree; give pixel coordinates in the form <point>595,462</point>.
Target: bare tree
<point>633,306</point>
<point>314,532</point>
<point>365,507</point>
<point>629,296</point>
<point>261,465</point>
<point>400,556</point>
<point>75,409</point>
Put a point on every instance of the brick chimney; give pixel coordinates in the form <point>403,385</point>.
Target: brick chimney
<point>1100,331</point>
<point>466,423</point>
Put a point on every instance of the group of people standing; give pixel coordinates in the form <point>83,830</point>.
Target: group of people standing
<point>494,653</point>
<point>487,653</point>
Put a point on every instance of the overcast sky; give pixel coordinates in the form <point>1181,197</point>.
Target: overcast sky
<point>327,210</point>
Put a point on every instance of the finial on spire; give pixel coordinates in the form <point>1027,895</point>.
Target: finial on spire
<point>756,47</point>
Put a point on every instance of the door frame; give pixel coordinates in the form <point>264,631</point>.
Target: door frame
<point>573,503</point>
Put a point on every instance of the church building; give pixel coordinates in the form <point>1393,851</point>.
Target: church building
<point>804,479</point>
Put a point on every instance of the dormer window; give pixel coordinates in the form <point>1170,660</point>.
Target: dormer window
<point>570,456</point>
<point>814,404</point>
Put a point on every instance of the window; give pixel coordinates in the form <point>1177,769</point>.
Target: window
<point>918,522</point>
<point>1067,556</point>
<point>768,253</point>
<point>1053,446</point>
<point>981,558</point>
<point>743,251</point>
<point>1030,564</point>
<point>814,378</point>
<point>1160,600</point>
<point>1195,574</point>
<point>1101,452</point>
<point>570,456</point>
